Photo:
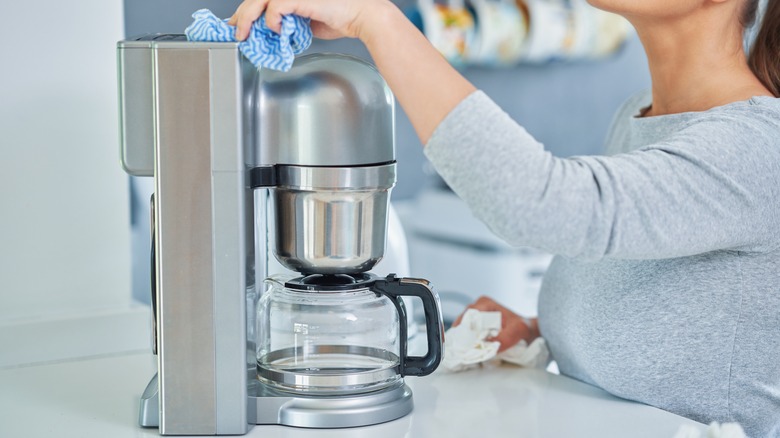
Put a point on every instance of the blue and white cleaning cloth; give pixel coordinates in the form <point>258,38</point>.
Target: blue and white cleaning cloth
<point>264,47</point>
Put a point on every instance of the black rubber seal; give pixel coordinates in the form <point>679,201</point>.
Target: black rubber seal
<point>263,176</point>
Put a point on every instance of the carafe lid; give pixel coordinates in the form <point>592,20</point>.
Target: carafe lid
<point>331,282</point>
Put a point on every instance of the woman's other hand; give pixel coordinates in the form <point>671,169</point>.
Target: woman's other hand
<point>513,326</point>
<point>330,18</point>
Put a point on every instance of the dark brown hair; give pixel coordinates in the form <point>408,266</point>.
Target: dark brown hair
<point>764,57</point>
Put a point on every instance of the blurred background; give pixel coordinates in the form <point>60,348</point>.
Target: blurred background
<point>74,227</point>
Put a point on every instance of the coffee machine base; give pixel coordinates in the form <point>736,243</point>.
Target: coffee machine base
<point>267,406</point>
<point>273,407</point>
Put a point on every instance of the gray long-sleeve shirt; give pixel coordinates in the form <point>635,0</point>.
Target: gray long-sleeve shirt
<point>666,289</point>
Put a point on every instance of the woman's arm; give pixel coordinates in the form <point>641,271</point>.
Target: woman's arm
<point>424,83</point>
<point>711,186</point>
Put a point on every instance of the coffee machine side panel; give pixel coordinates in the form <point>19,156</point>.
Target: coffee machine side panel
<point>200,223</point>
<point>136,107</point>
<point>184,274</point>
<point>232,233</point>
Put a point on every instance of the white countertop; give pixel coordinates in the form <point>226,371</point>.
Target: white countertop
<point>98,397</point>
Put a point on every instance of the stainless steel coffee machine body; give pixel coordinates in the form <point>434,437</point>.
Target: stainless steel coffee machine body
<point>214,132</point>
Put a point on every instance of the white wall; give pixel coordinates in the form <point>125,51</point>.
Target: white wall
<point>64,232</point>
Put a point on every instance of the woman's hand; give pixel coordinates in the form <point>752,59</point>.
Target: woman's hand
<point>513,326</point>
<point>424,83</point>
<point>330,19</point>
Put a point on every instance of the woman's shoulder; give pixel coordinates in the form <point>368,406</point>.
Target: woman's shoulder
<point>617,139</point>
<point>764,109</point>
<point>754,122</point>
<point>750,124</point>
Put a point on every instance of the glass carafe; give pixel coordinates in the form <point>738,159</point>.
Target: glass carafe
<point>341,334</point>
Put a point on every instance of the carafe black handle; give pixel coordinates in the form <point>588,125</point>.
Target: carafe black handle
<point>395,288</point>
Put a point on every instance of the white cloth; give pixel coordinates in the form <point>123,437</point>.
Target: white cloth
<point>715,430</point>
<point>465,346</point>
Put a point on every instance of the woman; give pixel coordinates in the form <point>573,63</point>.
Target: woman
<point>666,289</point>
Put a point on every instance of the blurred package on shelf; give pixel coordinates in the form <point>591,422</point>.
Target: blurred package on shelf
<point>450,28</point>
<point>596,33</point>
<point>501,41</point>
<point>508,32</point>
<point>463,259</point>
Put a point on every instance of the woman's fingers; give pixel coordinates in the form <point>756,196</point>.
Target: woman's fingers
<point>457,320</point>
<point>483,304</point>
<point>310,9</point>
<point>246,14</point>
<point>274,13</point>
<point>513,326</point>
<point>323,31</point>
<point>512,332</point>
<point>329,19</point>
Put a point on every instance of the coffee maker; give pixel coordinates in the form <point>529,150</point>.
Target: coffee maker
<point>251,164</point>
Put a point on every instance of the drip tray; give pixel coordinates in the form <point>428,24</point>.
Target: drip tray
<point>270,406</point>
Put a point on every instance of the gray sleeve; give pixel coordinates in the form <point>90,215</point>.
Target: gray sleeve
<point>697,192</point>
